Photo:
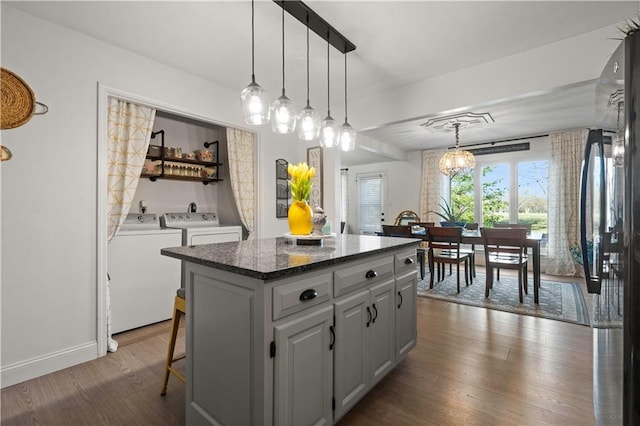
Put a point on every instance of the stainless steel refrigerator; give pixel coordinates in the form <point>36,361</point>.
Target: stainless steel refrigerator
<point>610,237</point>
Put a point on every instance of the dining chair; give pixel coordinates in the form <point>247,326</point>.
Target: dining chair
<point>526,226</point>
<point>504,248</point>
<point>406,216</point>
<point>396,230</point>
<point>444,248</point>
<point>471,226</point>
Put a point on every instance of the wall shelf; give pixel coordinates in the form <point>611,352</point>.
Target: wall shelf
<point>167,165</point>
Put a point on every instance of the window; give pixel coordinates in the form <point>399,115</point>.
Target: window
<point>370,197</point>
<point>495,194</point>
<point>533,199</point>
<point>513,189</point>
<point>462,194</point>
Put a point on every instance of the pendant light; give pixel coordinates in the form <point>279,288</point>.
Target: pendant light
<point>456,161</point>
<point>347,133</point>
<point>255,102</point>
<point>617,144</point>
<point>308,118</point>
<point>282,109</point>
<point>329,127</point>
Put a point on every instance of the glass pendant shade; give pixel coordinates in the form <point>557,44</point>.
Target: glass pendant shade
<point>284,115</point>
<point>456,161</point>
<point>255,104</point>
<point>282,109</point>
<point>347,137</point>
<point>617,148</point>
<point>308,124</point>
<point>329,133</point>
<point>617,143</point>
<point>254,99</point>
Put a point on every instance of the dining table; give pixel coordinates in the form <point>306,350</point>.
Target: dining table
<point>473,237</point>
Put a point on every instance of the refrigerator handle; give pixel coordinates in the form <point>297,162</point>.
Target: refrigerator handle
<point>593,282</point>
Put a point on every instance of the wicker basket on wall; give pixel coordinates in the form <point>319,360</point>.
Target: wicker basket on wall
<point>18,103</point>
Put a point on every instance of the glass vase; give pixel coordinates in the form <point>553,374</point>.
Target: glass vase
<point>299,218</point>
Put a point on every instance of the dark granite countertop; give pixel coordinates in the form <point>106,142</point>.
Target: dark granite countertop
<point>271,258</point>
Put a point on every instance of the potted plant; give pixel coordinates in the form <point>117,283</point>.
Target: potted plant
<point>451,215</point>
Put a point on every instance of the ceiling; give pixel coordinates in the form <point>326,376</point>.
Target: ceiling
<point>212,40</point>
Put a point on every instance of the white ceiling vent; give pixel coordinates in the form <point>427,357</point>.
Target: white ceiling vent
<point>463,119</point>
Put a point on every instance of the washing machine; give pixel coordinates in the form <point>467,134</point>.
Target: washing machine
<point>200,228</point>
<point>142,282</point>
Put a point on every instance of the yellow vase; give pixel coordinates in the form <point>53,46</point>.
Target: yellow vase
<point>299,218</point>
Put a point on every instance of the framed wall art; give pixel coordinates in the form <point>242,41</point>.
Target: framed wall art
<point>282,188</point>
<point>314,159</point>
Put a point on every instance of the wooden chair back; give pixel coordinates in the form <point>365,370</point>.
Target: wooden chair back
<point>504,241</point>
<point>444,238</point>
<point>396,230</point>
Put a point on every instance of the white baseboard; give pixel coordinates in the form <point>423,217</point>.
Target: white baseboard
<point>36,367</point>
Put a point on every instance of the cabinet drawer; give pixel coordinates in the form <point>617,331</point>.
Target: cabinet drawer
<point>300,294</point>
<point>406,261</point>
<point>361,275</point>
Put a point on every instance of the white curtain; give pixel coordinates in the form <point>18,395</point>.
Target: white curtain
<point>241,147</point>
<point>432,185</point>
<point>567,150</point>
<point>129,129</point>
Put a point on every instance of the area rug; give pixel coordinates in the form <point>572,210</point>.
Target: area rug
<point>558,301</point>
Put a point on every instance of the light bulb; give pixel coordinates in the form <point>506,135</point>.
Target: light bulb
<point>329,133</point>
<point>309,124</point>
<point>284,116</point>
<point>347,137</point>
<point>254,104</point>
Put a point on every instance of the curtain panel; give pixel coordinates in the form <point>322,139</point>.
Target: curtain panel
<point>432,188</point>
<point>567,149</point>
<point>129,128</point>
<point>241,148</point>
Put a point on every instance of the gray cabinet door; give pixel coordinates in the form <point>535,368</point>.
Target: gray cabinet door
<point>351,378</point>
<point>303,376</point>
<point>406,327</point>
<point>382,330</point>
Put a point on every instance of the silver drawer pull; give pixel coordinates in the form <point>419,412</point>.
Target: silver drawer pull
<point>408,261</point>
<point>309,294</point>
<point>370,274</point>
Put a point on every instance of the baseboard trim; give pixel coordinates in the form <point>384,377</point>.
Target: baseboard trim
<point>36,367</point>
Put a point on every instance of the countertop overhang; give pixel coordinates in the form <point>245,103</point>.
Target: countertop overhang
<point>272,258</point>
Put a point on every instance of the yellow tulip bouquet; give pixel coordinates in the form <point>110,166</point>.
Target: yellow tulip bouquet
<point>300,183</point>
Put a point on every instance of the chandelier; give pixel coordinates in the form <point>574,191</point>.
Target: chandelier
<point>456,161</point>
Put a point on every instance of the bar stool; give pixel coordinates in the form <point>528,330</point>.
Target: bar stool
<point>179,308</point>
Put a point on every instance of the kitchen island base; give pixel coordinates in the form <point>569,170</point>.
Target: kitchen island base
<point>301,348</point>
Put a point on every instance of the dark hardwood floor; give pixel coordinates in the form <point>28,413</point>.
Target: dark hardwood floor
<point>471,366</point>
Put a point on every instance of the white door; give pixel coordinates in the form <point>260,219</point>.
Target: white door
<point>372,189</point>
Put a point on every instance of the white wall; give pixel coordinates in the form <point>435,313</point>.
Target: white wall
<point>49,188</point>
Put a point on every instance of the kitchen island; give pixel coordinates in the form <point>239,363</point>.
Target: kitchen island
<point>282,334</point>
